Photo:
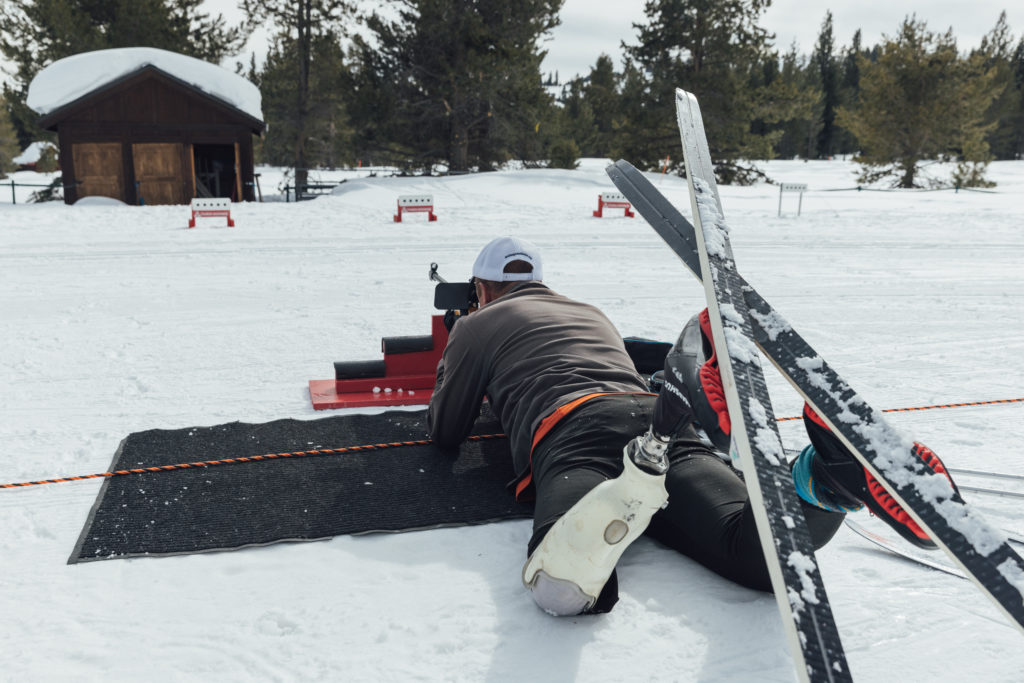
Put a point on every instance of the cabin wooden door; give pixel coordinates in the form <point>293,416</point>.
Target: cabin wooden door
<point>158,172</point>
<point>98,169</point>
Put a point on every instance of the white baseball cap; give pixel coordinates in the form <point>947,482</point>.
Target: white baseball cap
<point>493,258</point>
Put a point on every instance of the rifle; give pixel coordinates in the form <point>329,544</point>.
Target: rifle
<point>456,299</point>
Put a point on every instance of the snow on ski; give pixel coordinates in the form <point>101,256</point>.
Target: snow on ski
<point>789,552</point>
<point>978,548</point>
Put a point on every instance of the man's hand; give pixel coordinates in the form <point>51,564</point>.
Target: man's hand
<point>450,318</point>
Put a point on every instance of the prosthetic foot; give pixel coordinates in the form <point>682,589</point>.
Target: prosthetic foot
<point>571,565</point>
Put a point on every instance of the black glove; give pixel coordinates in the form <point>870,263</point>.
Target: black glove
<point>450,318</point>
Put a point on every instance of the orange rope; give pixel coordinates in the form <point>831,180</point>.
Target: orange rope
<point>942,405</point>
<point>234,461</point>
<point>380,446</point>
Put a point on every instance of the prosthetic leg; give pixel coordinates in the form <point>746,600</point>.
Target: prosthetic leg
<point>570,566</point>
<point>567,571</point>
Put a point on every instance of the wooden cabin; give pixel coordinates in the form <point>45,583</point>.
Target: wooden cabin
<point>149,137</point>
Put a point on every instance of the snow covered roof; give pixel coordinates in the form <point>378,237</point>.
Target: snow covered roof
<point>69,79</point>
<point>32,153</point>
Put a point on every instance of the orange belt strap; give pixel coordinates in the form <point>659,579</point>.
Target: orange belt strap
<point>549,422</point>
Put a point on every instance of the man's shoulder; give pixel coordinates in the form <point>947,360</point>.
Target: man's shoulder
<point>532,288</point>
<point>532,298</point>
<point>525,294</point>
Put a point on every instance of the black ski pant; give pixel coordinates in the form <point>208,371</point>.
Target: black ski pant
<point>708,517</point>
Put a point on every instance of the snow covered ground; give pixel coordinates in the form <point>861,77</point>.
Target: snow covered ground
<point>118,319</point>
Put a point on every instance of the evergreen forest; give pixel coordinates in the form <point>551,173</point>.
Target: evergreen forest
<point>456,86</point>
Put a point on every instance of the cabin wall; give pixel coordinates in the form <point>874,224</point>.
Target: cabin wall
<point>155,121</point>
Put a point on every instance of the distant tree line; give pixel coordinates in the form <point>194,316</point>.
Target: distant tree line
<point>457,86</point>
<point>894,107</point>
<point>34,33</point>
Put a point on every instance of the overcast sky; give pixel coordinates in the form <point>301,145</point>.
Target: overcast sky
<point>590,27</point>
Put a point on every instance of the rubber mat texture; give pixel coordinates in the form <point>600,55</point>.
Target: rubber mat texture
<point>228,507</point>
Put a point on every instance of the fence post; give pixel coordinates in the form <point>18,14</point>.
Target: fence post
<point>14,198</point>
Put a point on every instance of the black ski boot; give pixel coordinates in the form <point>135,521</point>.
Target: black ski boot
<point>697,367</point>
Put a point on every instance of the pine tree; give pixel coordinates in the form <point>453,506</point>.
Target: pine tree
<point>793,97</point>
<point>564,153</point>
<point>920,101</point>
<point>850,80</point>
<point>849,90</point>
<point>578,122</point>
<point>322,127</point>
<point>980,87</point>
<point>35,33</point>
<point>303,26</point>
<point>8,141</point>
<point>48,161</point>
<point>1017,117</point>
<point>601,95</point>
<point>828,78</point>
<point>591,107</point>
<point>455,83</point>
<point>714,49</point>
<point>997,52</point>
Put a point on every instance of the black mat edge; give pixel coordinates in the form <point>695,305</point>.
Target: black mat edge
<point>74,559</point>
<point>228,549</point>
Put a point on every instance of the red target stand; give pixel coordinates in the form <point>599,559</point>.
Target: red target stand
<point>211,207</point>
<point>416,203</point>
<point>613,200</point>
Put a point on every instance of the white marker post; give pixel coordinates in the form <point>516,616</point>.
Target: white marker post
<point>792,187</point>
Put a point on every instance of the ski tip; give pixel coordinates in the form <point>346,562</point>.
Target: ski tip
<point>685,96</point>
<point>620,167</point>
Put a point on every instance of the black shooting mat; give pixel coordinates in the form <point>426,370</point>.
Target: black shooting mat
<point>227,507</point>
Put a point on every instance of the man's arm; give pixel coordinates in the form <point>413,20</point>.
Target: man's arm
<point>459,387</point>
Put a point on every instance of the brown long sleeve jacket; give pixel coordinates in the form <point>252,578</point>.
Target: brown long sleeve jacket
<point>529,352</point>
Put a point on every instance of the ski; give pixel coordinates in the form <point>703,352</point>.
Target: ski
<point>902,549</point>
<point>991,492</point>
<point>984,473</point>
<point>972,543</point>
<point>788,549</point>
